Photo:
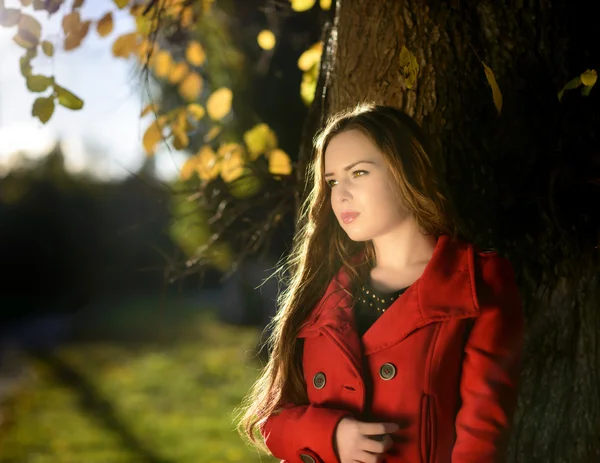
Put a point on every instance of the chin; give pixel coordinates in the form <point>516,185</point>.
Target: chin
<point>357,236</point>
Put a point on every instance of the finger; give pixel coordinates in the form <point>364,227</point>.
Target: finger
<point>388,442</point>
<point>370,429</point>
<point>373,446</point>
<point>381,446</point>
<point>367,457</point>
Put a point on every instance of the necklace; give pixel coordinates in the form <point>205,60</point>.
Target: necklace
<point>378,301</point>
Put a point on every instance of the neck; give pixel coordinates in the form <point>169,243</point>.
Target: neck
<point>403,247</point>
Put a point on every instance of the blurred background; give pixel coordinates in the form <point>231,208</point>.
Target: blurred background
<point>152,160</point>
<point>131,309</point>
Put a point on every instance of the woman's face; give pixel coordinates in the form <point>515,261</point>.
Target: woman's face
<point>363,197</point>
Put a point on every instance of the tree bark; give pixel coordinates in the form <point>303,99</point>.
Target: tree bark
<point>525,182</point>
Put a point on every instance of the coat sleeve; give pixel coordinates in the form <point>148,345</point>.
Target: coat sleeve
<point>491,367</point>
<point>298,433</point>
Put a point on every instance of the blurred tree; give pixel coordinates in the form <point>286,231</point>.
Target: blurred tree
<point>66,241</point>
<point>220,81</point>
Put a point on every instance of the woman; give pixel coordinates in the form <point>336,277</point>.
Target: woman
<point>396,340</point>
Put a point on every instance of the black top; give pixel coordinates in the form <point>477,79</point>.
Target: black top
<point>369,304</point>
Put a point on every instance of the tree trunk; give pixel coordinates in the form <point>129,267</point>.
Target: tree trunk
<point>524,181</point>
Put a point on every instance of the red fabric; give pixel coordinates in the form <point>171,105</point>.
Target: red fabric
<point>455,339</point>
<point>303,430</point>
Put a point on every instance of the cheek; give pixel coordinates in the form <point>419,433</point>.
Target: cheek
<point>386,206</point>
<point>383,196</point>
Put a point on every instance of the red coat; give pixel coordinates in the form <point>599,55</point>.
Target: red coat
<point>442,361</point>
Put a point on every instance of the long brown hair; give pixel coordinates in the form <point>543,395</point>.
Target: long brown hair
<point>321,247</point>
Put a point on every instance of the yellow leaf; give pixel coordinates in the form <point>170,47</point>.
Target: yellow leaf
<point>25,63</point>
<point>232,161</point>
<point>68,99</point>
<point>48,48</point>
<point>570,85</point>
<point>152,137</point>
<point>308,86</point>
<point>207,167</point>
<point>9,17</point>
<point>181,119</point>
<point>43,108</point>
<point>302,5</point>
<point>196,111</point>
<point>105,25</point>
<point>178,72</point>
<point>325,4</point>
<point>29,31</point>
<point>190,87</point>
<point>311,57</point>
<point>180,138</point>
<point>212,134</point>
<point>83,30</point>
<point>125,45</point>
<point>39,83</point>
<point>195,54</point>
<point>219,103</point>
<point>71,42</point>
<point>121,3</point>
<point>589,78</point>
<point>144,25</point>
<point>279,163</point>
<point>204,163</point>
<point>266,40</point>
<point>163,64</point>
<point>187,17</point>
<point>74,39</point>
<point>147,50</point>
<point>260,139</point>
<point>496,94</point>
<point>149,108</point>
<point>189,168</point>
<point>226,150</point>
<point>51,6</point>
<point>136,10</point>
<point>409,67</point>
<point>162,120</point>
<point>71,22</point>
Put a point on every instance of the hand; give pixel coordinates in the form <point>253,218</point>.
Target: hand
<point>358,441</point>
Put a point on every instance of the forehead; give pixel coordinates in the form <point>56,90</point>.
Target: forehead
<point>348,147</point>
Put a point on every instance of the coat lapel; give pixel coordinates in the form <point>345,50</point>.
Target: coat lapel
<point>445,290</point>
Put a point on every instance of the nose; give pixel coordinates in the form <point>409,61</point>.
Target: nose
<point>341,193</point>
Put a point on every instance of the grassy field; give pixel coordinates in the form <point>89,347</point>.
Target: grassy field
<point>140,383</point>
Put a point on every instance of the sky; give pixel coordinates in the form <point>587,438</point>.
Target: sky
<point>104,138</point>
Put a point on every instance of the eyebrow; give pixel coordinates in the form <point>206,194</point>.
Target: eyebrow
<point>329,174</point>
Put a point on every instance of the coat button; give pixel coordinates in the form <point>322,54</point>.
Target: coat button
<point>307,458</point>
<point>387,371</point>
<point>319,381</point>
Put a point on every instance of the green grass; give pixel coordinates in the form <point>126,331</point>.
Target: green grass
<point>140,386</point>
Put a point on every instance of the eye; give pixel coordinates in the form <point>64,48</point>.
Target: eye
<point>355,173</point>
<point>361,172</point>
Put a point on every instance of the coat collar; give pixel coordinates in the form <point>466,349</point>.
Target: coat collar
<point>445,290</point>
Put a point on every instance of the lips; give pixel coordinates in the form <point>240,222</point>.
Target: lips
<point>349,216</point>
